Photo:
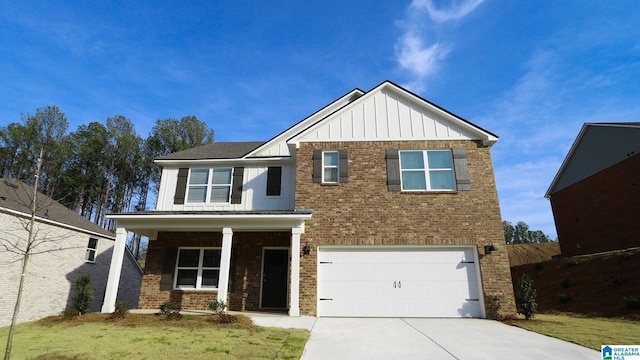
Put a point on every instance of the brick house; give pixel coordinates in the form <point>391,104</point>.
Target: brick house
<point>68,246</point>
<point>379,204</point>
<point>595,196</point>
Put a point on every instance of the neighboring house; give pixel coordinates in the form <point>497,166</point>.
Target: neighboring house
<point>379,204</point>
<point>595,196</point>
<point>67,247</point>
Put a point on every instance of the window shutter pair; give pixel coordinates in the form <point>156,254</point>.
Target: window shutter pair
<point>343,166</point>
<point>461,170</point>
<point>236,185</point>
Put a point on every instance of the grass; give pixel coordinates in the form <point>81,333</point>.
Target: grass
<point>591,332</point>
<point>138,336</point>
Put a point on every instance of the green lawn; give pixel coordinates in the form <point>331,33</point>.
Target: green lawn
<point>138,337</point>
<point>585,331</point>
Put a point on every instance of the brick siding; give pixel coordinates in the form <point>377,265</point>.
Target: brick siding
<point>363,212</point>
<point>601,212</point>
<point>51,275</point>
<point>245,274</point>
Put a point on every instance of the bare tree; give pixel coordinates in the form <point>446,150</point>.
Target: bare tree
<point>34,244</point>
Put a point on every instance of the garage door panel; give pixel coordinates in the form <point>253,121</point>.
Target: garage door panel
<point>407,282</point>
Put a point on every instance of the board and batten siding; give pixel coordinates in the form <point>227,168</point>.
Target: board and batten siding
<point>254,191</point>
<point>386,117</point>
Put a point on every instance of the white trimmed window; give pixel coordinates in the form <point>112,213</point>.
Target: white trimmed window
<point>427,170</point>
<point>198,268</point>
<point>330,161</point>
<point>92,248</point>
<point>209,185</point>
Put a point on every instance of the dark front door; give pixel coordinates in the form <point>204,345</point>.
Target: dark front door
<point>275,271</point>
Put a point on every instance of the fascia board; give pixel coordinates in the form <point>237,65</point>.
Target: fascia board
<point>236,161</point>
<point>312,119</point>
<point>566,160</point>
<point>55,223</point>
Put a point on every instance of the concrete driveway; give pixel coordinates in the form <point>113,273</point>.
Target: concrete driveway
<point>411,338</point>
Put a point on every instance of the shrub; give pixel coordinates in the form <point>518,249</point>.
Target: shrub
<point>625,255</point>
<point>565,283</point>
<point>219,308</point>
<point>83,294</point>
<point>170,310</point>
<point>571,262</point>
<point>526,297</point>
<point>121,311</point>
<point>564,298</point>
<point>539,266</point>
<point>632,302</point>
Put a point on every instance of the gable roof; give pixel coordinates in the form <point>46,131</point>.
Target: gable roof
<point>218,150</point>
<point>388,112</point>
<point>16,198</point>
<point>431,122</point>
<point>598,146</point>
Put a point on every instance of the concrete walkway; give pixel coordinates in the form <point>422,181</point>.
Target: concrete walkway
<point>411,338</point>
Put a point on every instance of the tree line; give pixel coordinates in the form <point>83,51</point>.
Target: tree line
<point>99,168</point>
<point>520,234</point>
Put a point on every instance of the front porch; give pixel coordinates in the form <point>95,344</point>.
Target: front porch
<point>256,265</point>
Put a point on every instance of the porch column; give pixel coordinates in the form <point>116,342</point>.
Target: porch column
<point>111,292</point>
<point>225,262</point>
<point>294,306</point>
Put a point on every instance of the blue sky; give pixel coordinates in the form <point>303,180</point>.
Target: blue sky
<point>531,72</point>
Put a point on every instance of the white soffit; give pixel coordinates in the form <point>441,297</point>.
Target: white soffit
<point>390,113</point>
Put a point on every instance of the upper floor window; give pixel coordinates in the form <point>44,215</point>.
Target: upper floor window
<point>198,268</point>
<point>426,170</point>
<point>209,185</point>
<point>92,248</point>
<point>330,166</point>
<point>274,180</point>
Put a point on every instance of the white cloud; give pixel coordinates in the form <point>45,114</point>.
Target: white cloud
<point>414,53</point>
<point>417,58</point>
<point>455,11</point>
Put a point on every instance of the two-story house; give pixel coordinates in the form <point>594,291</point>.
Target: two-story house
<point>64,247</point>
<point>380,204</point>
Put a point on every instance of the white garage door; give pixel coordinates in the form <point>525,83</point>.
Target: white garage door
<point>398,282</point>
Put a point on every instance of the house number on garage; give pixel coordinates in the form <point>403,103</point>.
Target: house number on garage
<point>399,285</point>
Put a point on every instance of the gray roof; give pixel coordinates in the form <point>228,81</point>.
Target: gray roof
<point>17,196</point>
<point>218,150</point>
<point>597,147</point>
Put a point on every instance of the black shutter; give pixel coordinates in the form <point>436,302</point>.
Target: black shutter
<point>168,269</point>
<point>181,186</point>
<point>274,180</point>
<point>236,187</point>
<point>463,181</point>
<point>317,166</point>
<point>343,166</point>
<point>393,170</point>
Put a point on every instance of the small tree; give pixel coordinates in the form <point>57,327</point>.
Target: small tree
<point>526,297</point>
<point>83,294</point>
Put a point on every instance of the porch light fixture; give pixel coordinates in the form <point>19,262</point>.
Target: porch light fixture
<point>306,250</point>
<point>489,248</point>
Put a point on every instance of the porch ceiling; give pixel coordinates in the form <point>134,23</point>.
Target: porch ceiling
<point>149,223</point>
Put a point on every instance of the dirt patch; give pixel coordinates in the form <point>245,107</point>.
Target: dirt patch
<point>592,285</point>
<point>521,254</point>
